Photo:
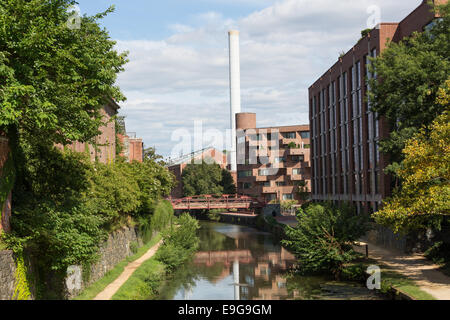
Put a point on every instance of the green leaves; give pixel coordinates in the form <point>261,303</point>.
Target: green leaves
<point>53,80</point>
<point>204,178</point>
<point>409,75</point>
<point>322,240</point>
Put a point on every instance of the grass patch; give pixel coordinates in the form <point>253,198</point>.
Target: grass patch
<point>143,283</point>
<point>92,291</point>
<point>2,245</point>
<point>392,279</point>
<point>356,271</point>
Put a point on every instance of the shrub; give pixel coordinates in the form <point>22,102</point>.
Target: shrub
<point>322,240</point>
<point>179,243</point>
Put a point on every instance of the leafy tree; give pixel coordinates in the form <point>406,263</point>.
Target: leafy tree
<point>424,197</point>
<point>204,178</point>
<point>54,80</point>
<point>150,154</point>
<point>322,240</point>
<point>409,76</point>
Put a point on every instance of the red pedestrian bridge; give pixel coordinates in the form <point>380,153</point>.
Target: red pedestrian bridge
<point>209,202</point>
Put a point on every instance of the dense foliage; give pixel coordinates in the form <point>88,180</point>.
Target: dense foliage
<point>322,240</point>
<point>180,243</point>
<point>205,178</point>
<point>67,204</point>
<point>409,76</point>
<point>53,79</point>
<point>424,197</point>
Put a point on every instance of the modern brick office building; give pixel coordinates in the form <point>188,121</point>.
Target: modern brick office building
<point>272,161</point>
<point>346,162</point>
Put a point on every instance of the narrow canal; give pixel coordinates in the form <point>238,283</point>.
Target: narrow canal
<point>241,263</point>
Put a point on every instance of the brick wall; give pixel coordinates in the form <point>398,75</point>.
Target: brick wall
<point>106,141</point>
<point>4,207</point>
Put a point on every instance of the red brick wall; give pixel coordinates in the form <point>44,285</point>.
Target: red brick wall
<point>106,151</point>
<point>4,207</point>
<point>136,146</point>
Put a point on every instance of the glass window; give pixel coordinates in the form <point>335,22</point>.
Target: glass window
<point>288,196</point>
<point>247,185</point>
<point>305,134</point>
<point>297,171</point>
<point>266,184</point>
<point>281,184</point>
<point>244,174</point>
<point>300,158</point>
<point>289,135</point>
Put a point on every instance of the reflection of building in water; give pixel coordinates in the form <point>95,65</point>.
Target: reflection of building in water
<point>254,277</point>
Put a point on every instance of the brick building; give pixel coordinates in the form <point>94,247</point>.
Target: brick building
<point>5,194</point>
<point>105,152</point>
<point>272,162</point>
<point>346,162</point>
<point>133,148</point>
<point>177,166</point>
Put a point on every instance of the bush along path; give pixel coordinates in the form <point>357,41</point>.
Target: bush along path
<point>179,245</point>
<point>111,289</point>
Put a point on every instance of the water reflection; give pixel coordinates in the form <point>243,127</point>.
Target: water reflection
<point>241,263</point>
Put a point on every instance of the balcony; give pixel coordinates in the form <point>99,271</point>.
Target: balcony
<point>296,177</point>
<point>295,152</point>
<point>269,189</point>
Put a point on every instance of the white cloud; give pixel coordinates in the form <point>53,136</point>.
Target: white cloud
<point>284,49</point>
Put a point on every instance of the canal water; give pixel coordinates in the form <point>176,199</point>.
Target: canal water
<point>242,263</point>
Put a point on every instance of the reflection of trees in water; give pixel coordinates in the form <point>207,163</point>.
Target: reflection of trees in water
<point>212,240</point>
<point>186,276</point>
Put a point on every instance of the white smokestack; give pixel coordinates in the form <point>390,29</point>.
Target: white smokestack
<point>235,90</point>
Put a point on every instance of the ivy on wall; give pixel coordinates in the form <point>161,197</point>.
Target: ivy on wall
<point>7,178</point>
<point>22,288</point>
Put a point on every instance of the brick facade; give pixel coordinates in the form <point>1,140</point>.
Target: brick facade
<point>346,162</point>
<point>133,148</point>
<point>106,141</point>
<point>268,168</point>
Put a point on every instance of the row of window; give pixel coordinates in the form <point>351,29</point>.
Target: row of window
<point>286,135</point>
<point>324,131</point>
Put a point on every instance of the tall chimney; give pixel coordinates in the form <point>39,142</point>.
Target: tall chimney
<point>235,90</point>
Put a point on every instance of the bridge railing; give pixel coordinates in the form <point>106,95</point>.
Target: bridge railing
<point>212,202</point>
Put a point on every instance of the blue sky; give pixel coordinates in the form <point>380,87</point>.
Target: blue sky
<point>178,70</point>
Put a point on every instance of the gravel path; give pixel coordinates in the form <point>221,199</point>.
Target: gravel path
<point>416,267</point>
<point>113,287</point>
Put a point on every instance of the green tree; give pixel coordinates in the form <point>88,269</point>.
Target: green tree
<point>54,80</point>
<point>204,178</point>
<point>322,240</point>
<point>409,75</point>
<point>424,198</point>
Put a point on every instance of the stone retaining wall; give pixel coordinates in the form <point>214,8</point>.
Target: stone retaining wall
<point>113,251</point>
<point>7,275</point>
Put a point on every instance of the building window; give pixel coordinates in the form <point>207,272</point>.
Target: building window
<point>300,158</point>
<point>271,197</point>
<point>297,172</point>
<point>267,172</point>
<point>288,196</point>
<point>279,160</point>
<point>289,135</point>
<point>305,134</point>
<point>281,184</point>
<point>245,174</point>
<point>266,184</point>
<point>246,185</point>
